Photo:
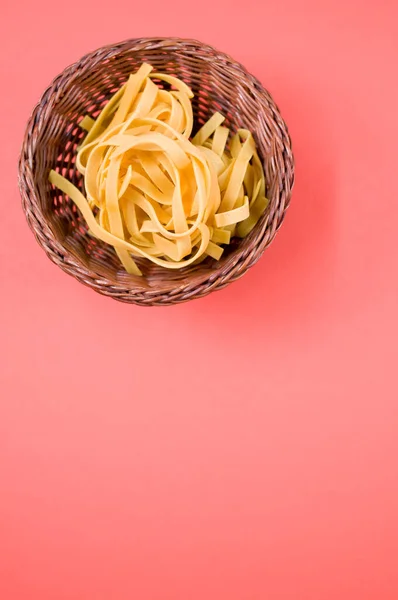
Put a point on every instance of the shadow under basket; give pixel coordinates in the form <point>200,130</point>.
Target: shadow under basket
<point>53,135</point>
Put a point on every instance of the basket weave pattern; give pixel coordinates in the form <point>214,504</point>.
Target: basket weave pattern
<point>53,135</point>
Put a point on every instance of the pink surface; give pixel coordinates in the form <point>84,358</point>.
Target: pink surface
<point>242,447</point>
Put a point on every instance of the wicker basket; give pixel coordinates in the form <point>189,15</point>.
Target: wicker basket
<point>52,136</point>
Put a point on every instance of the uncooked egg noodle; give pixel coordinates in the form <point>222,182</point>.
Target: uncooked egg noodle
<point>153,192</point>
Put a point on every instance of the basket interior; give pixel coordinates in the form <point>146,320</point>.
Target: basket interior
<point>218,85</point>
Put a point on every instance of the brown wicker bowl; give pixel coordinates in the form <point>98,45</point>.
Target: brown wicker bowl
<point>52,136</point>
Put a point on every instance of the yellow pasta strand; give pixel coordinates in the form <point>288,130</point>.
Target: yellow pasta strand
<point>87,123</point>
<point>208,129</point>
<point>233,216</point>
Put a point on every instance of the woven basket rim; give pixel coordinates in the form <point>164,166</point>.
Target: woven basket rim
<point>211,280</point>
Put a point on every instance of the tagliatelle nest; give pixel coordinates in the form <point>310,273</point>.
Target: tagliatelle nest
<point>153,193</point>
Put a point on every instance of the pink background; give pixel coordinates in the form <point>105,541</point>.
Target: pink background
<point>243,447</point>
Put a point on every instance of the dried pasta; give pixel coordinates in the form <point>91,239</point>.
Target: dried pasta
<point>152,191</point>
